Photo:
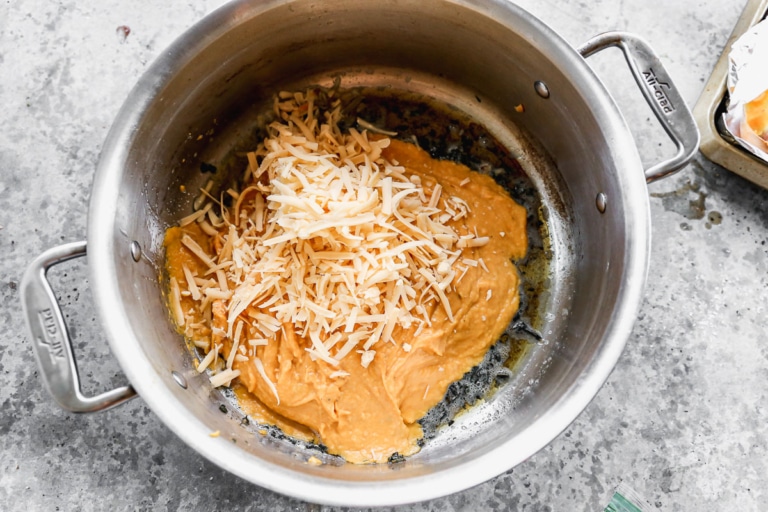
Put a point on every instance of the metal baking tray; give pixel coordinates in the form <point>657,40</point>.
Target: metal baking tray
<point>717,143</point>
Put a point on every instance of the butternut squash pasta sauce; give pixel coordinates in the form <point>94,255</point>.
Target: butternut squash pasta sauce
<point>353,279</point>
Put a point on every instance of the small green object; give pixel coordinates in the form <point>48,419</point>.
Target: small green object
<point>625,499</point>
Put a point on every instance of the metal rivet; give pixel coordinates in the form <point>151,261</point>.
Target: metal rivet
<point>541,89</point>
<point>601,202</point>
<point>179,378</point>
<point>135,251</point>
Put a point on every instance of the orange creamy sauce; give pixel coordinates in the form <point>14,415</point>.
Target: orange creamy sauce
<point>373,412</point>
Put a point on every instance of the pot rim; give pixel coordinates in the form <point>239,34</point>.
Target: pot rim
<point>139,368</point>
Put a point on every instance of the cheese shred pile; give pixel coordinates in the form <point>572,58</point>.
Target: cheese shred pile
<point>326,235</point>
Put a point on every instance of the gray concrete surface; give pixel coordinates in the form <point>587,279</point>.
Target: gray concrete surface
<point>683,419</point>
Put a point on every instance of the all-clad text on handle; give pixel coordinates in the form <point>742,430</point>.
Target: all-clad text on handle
<point>660,93</point>
<point>50,339</point>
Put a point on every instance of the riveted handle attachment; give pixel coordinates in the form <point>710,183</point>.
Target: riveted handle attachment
<point>50,339</point>
<point>660,93</point>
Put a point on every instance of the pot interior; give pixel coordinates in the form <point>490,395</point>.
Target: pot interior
<point>200,101</point>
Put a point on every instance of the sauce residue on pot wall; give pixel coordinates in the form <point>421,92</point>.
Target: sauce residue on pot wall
<point>361,407</point>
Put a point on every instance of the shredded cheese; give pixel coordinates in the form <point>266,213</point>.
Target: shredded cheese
<point>327,236</point>
<point>207,360</point>
<point>178,313</point>
<point>366,357</point>
<point>223,378</point>
<point>260,368</point>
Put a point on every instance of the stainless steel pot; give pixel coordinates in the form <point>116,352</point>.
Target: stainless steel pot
<point>483,56</point>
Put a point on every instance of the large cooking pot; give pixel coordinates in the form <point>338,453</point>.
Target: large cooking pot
<point>485,57</point>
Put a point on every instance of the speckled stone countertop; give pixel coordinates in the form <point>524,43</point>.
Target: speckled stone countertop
<point>683,419</point>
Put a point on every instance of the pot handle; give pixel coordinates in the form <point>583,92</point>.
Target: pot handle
<point>660,93</point>
<point>50,338</point>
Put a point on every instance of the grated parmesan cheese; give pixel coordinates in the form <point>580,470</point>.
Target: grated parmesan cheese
<point>366,357</point>
<point>328,236</point>
<point>224,378</point>
<point>206,361</point>
<point>178,313</point>
<point>260,368</point>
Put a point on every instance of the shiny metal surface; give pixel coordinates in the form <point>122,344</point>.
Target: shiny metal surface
<point>483,57</point>
<point>179,378</point>
<point>660,93</point>
<point>541,89</point>
<point>601,201</point>
<point>135,251</point>
<point>50,337</point>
